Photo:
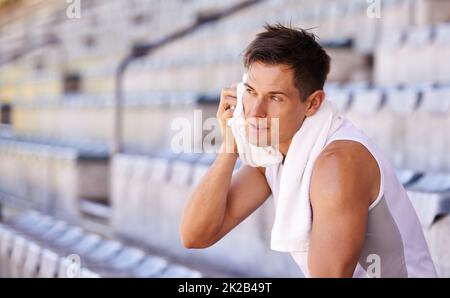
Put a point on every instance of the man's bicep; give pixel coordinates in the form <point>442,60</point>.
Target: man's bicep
<point>336,241</point>
<point>340,214</point>
<point>248,191</point>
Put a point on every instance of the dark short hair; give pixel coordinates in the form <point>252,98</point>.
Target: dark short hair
<point>295,48</point>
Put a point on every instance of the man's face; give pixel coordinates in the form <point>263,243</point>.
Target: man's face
<point>270,95</point>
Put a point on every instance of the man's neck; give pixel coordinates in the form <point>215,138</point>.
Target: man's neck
<point>284,147</point>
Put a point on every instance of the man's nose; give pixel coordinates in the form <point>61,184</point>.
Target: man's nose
<point>259,109</point>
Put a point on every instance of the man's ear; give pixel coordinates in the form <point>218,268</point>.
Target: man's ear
<point>314,101</point>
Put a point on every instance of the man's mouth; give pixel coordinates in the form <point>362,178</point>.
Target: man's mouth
<point>258,127</point>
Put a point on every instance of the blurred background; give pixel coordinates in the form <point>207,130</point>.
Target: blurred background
<point>89,185</point>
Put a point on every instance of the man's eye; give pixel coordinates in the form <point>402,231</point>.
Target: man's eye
<point>275,98</point>
<point>250,91</point>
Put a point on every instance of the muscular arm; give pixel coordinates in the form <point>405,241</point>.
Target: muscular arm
<point>345,181</point>
<point>221,201</point>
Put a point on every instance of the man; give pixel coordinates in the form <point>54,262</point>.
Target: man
<point>359,209</point>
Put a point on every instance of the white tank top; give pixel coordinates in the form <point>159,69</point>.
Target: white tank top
<point>394,236</point>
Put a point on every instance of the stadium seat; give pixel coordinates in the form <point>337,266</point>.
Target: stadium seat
<point>386,55</point>
<point>65,181</point>
<point>85,245</point>
<point>153,216</point>
<point>172,198</point>
<point>86,273</point>
<point>177,271</point>
<point>40,227</point>
<point>70,237</point>
<point>27,219</point>
<point>415,57</point>
<point>430,153</point>
<point>127,260</point>
<point>19,249</point>
<point>32,260</point>
<point>339,96</point>
<point>49,264</point>
<point>152,266</point>
<point>400,104</point>
<point>368,112</point>
<point>367,101</point>
<point>407,177</point>
<point>402,100</point>
<point>430,196</point>
<point>441,47</point>
<point>6,241</point>
<point>132,203</point>
<point>106,251</point>
<point>55,231</point>
<point>38,173</point>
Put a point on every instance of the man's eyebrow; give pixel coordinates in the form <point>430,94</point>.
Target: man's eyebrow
<point>277,92</point>
<point>271,92</point>
<point>247,85</point>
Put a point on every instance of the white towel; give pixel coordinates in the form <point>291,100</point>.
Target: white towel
<point>250,154</point>
<point>293,219</point>
<point>292,224</point>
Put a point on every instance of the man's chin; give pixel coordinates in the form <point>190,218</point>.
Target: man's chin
<point>259,143</point>
<point>255,144</point>
<point>259,139</point>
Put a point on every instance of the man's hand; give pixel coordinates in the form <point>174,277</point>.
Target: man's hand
<point>224,112</point>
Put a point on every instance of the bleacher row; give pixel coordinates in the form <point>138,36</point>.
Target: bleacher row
<point>49,177</point>
<point>37,245</point>
<point>119,15</point>
<point>409,123</point>
<point>147,118</point>
<point>395,117</point>
<point>220,45</point>
<point>26,170</point>
<point>416,55</point>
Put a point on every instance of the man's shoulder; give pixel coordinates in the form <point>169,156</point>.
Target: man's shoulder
<point>347,153</point>
<point>345,169</point>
